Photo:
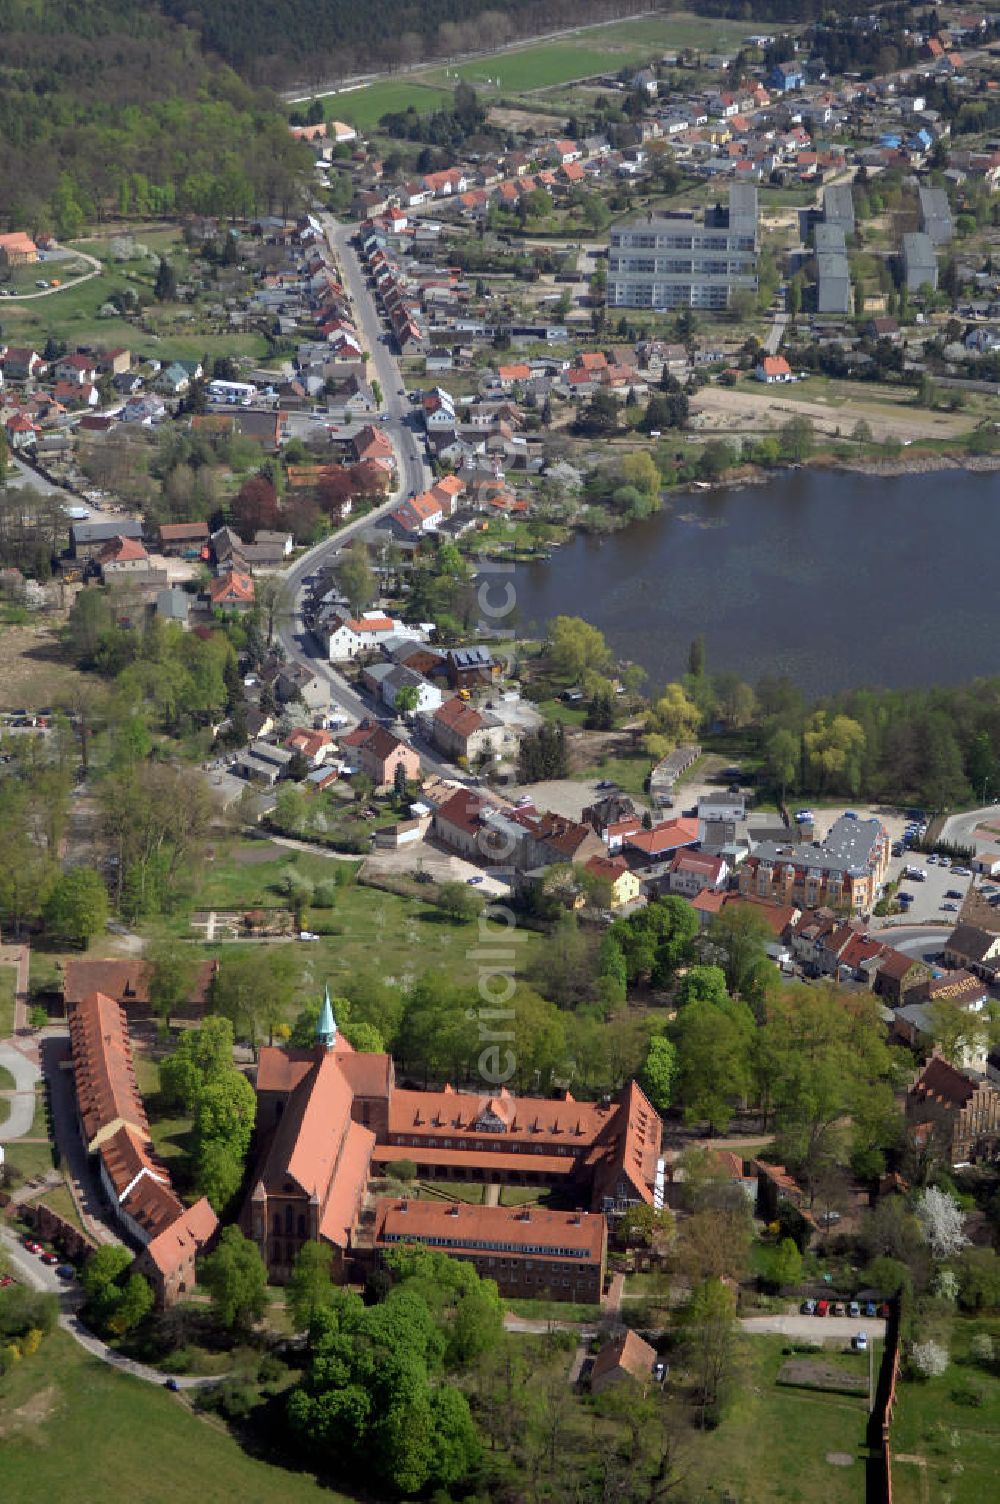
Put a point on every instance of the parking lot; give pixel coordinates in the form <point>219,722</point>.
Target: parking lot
<point>931,896</point>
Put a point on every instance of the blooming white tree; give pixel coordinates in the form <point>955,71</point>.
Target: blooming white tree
<point>940,1221</point>
<point>929,1359</point>
<point>946,1285</point>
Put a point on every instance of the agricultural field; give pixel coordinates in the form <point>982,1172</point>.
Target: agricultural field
<point>364,108</point>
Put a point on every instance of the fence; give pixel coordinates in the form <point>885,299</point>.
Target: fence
<point>878,1483</point>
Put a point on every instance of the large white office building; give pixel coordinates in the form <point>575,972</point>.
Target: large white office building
<point>678,261</point>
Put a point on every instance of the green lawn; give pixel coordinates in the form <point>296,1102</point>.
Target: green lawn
<point>29,1159</point>
<point>61,1202</point>
<point>364,108</point>
<point>7,1082</point>
<point>958,1441</point>
<point>408,936</point>
<point>544,66</point>
<point>553,1310</point>
<point>773,1443</point>
<point>247,876</point>
<point>72,1428</point>
<point>629,773</point>
<point>8,986</point>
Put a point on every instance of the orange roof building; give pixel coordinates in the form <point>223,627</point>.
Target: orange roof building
<point>115,1131</point>
<point>328,1117</point>
<point>628,1357</point>
<point>529,1251</point>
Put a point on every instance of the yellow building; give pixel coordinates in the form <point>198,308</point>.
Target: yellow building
<point>625,886</point>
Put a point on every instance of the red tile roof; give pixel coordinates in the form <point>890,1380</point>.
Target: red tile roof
<point>663,838</point>
<point>106,1088</point>
<point>569,1237</point>
<point>183,1237</point>
<point>629,1354</point>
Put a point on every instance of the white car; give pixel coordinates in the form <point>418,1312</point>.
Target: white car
<point>307,935</point>
<point>859,1342</point>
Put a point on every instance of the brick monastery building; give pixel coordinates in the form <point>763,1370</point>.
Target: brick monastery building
<point>329,1118</point>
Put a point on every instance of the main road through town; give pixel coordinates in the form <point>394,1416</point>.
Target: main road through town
<point>413,473</point>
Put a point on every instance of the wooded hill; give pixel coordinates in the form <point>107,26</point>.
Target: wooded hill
<point>107,106</point>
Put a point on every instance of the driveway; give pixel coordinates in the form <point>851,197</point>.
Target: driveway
<point>817,1328</point>
<point>21,1101</point>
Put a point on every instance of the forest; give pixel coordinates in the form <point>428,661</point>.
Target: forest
<point>112,108</point>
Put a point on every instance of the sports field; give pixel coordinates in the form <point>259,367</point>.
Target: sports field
<point>526,68</point>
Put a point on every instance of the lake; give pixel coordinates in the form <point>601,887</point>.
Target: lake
<point>834,579</point>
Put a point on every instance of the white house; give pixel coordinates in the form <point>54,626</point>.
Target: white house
<point>773,368</point>
<point>349,636</point>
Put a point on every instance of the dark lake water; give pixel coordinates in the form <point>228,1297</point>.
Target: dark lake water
<point>834,579</point>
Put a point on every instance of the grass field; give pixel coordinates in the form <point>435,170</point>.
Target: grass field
<point>8,982</point>
<point>629,773</point>
<point>364,108</point>
<point>72,1428</point>
<point>523,69</point>
<point>955,1444</point>
<point>7,1082</point>
<point>773,1444</point>
<point>402,937</point>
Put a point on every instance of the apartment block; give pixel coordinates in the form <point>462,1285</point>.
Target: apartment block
<point>678,261</point>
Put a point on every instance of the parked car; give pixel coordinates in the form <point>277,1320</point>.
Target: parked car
<point>5,1280</point>
<point>953,893</point>
<point>838,1308</point>
<point>951,907</point>
<point>32,1246</point>
<point>307,935</point>
<point>871,1309</point>
<point>473,882</point>
<point>173,1386</point>
<point>860,1342</point>
<point>808,1308</point>
<point>854,1309</point>
<point>66,1271</point>
<point>962,871</point>
<point>822,1307</point>
<point>50,1258</point>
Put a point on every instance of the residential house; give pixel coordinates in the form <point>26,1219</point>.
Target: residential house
<point>628,1359</point>
<point>21,363</point>
<point>973,949</point>
<point>231,591</point>
<point>17,249</point>
<point>378,752</point>
<point>659,843</point>
<point>691,872</point>
<point>350,636</point>
<point>315,746</point>
<point>173,380</point>
<point>459,730</point>
<point>625,887</point>
<point>88,538</point>
<point>772,368</point>
<point>121,556</point>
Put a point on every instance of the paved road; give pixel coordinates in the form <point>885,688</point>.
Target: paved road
<point>960,828</point>
<point>22,1104</point>
<point>30,1271</point>
<point>776,334</point>
<point>819,1327</point>
<point>914,940</point>
<point>413,472</point>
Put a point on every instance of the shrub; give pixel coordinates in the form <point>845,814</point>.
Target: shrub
<point>325,894</point>
<point>971,1392</point>
<point>928,1360</point>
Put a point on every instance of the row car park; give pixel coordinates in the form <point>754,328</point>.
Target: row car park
<point>844,1308</point>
